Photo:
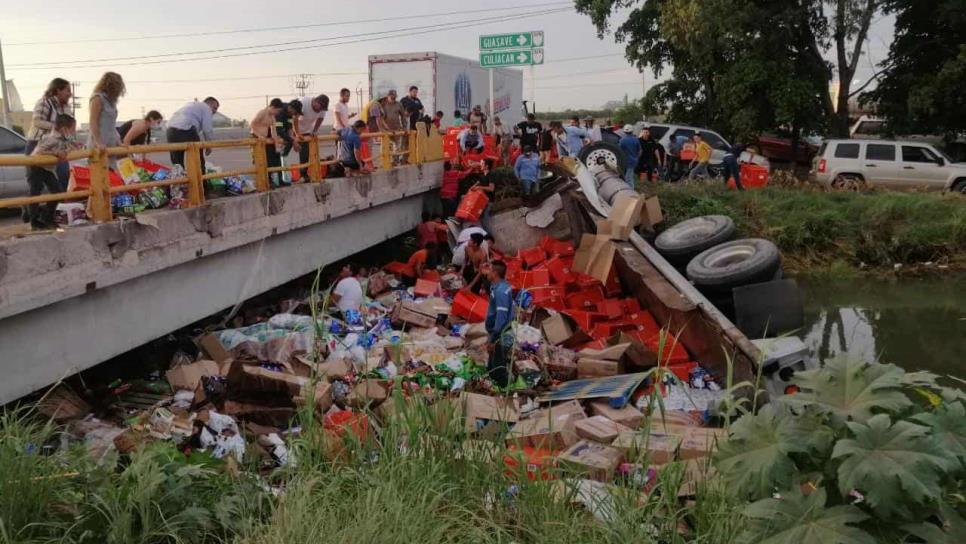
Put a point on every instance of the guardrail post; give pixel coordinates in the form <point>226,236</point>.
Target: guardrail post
<point>100,199</point>
<point>315,169</point>
<point>414,146</point>
<point>260,158</point>
<point>386,152</point>
<point>192,163</point>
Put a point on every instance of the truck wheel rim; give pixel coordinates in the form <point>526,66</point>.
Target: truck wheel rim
<point>730,256</point>
<point>602,156</point>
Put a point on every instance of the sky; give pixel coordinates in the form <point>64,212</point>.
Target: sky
<point>166,81</point>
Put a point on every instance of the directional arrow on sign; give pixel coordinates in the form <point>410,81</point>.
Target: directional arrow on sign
<point>522,40</point>
<point>521,57</point>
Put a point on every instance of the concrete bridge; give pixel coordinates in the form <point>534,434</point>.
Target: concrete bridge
<point>71,300</point>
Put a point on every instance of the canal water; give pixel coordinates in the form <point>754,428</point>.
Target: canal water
<point>917,324</point>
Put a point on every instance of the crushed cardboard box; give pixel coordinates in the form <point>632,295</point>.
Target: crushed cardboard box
<point>597,460</point>
<point>188,377</point>
<point>660,448</point>
<point>213,347</point>
<point>482,409</point>
<point>625,214</point>
<point>595,256</point>
<point>597,368</point>
<point>561,330</point>
<point>628,415</point>
<point>599,429</point>
<point>549,428</point>
<point>408,312</point>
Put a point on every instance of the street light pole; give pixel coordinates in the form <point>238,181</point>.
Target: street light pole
<point>3,90</point>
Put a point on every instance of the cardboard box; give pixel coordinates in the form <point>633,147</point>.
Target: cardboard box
<point>696,471</point>
<point>595,256</point>
<point>369,392</point>
<point>628,415</point>
<point>562,365</point>
<point>434,306</point>
<point>278,416</point>
<point>597,460</point>
<point>699,442</point>
<point>63,404</point>
<point>561,330</point>
<point>322,397</point>
<point>482,409</point>
<point>599,429</point>
<point>551,427</point>
<point>426,288</point>
<point>187,377</point>
<point>537,463</point>
<point>651,212</point>
<point>408,312</point>
<point>660,448</point>
<point>625,214</point>
<point>335,369</point>
<point>526,366</point>
<point>597,368</point>
<point>213,347</point>
<point>255,379</point>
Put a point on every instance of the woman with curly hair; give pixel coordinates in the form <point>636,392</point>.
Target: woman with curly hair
<point>103,106</point>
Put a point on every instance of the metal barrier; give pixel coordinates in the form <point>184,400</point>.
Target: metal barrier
<point>423,146</point>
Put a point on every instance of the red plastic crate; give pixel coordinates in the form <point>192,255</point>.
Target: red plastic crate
<point>585,320</point>
<point>560,271</point>
<point>532,256</point>
<point>563,249</point>
<point>753,176</point>
<point>547,243</point>
<point>612,308</point>
<point>426,288</point>
<point>469,306</point>
<point>536,462</point>
<point>472,206</point>
<point>674,352</point>
<point>534,278</point>
<point>346,421</point>
<point>631,306</point>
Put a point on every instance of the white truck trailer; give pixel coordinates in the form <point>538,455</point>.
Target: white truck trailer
<point>448,83</point>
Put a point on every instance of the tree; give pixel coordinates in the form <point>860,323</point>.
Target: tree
<point>744,66</point>
<point>920,90</point>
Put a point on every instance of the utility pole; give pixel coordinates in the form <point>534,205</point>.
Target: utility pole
<point>74,103</point>
<point>3,91</point>
<point>302,83</point>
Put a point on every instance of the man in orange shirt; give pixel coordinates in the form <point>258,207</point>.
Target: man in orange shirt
<point>419,262</point>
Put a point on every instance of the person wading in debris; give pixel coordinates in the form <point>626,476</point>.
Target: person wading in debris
<point>499,313</point>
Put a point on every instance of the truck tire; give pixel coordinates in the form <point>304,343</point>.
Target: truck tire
<point>682,242</point>
<point>603,153</point>
<point>733,264</point>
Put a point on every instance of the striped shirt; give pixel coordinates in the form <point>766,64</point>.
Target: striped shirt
<point>45,114</point>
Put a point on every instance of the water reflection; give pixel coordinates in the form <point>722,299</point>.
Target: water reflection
<point>918,324</point>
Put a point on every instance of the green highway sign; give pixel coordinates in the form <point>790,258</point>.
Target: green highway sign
<point>522,57</point>
<point>518,40</point>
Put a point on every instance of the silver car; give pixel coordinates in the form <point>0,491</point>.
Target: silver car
<point>13,179</point>
<point>887,164</point>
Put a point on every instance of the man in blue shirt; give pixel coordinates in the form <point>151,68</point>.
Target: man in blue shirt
<point>631,146</point>
<point>499,314</point>
<point>527,169</point>
<point>574,140</point>
<point>192,123</point>
<point>350,147</point>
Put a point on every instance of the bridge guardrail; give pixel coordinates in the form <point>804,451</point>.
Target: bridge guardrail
<point>423,146</point>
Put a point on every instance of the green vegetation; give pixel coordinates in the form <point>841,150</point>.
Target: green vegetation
<point>834,232</point>
<point>864,453</point>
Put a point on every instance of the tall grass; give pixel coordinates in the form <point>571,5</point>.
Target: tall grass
<point>818,230</point>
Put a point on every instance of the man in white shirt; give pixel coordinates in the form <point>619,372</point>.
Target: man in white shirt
<point>347,294</point>
<point>192,123</point>
<point>593,132</point>
<point>342,115</point>
<point>313,113</point>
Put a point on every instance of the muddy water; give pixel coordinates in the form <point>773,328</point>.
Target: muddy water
<point>918,324</point>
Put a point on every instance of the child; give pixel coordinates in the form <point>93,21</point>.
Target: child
<point>59,142</point>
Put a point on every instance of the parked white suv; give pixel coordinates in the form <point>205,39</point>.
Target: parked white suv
<point>887,164</point>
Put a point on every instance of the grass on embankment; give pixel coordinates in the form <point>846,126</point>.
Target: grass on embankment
<point>417,483</point>
<point>841,232</point>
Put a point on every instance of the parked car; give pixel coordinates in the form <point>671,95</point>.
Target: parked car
<point>888,164</point>
<point>13,179</point>
<point>868,127</point>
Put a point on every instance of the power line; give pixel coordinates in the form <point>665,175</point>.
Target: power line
<point>435,27</point>
<point>293,27</point>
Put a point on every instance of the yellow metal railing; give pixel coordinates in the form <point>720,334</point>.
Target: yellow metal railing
<point>422,147</point>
